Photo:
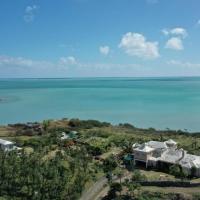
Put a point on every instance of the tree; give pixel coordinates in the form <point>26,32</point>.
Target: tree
<point>175,170</point>
<point>45,124</point>
<point>183,173</point>
<point>195,143</point>
<point>178,171</point>
<point>109,164</point>
<point>137,176</point>
<point>193,171</point>
<point>126,182</point>
<point>35,176</point>
<point>127,146</point>
<point>161,137</point>
<point>114,188</point>
<point>119,173</point>
<point>132,187</point>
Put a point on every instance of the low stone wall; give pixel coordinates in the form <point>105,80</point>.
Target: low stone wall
<point>169,183</point>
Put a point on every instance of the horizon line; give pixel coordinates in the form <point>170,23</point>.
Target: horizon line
<point>90,77</point>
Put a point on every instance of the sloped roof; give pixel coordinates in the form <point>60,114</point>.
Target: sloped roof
<point>64,136</point>
<point>145,148</point>
<point>135,145</point>
<point>171,156</point>
<point>5,142</point>
<point>157,145</point>
<point>190,161</point>
<point>170,141</point>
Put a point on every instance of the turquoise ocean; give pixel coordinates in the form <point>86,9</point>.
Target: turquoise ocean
<point>145,102</point>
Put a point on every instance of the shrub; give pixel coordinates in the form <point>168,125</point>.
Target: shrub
<point>175,170</point>
<point>137,176</point>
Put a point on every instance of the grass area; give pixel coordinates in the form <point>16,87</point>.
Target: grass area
<point>50,155</point>
<point>58,123</point>
<point>6,131</point>
<point>193,190</point>
<point>112,151</point>
<point>89,183</point>
<point>23,138</point>
<point>195,180</point>
<point>155,175</point>
<point>28,150</point>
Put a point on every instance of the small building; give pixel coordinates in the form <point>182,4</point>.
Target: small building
<point>64,136</point>
<point>70,135</point>
<point>6,145</point>
<point>128,161</point>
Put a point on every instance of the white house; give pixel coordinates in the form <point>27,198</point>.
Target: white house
<point>64,136</point>
<point>70,135</point>
<point>6,145</point>
<point>154,153</point>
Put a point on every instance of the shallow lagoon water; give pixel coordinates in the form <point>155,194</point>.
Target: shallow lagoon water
<point>145,102</point>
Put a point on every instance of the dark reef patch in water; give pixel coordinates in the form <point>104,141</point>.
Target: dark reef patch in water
<point>8,99</point>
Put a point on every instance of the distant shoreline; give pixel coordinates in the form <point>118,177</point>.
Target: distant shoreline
<point>101,77</point>
<point>150,129</point>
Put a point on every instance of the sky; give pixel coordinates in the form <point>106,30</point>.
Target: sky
<point>99,38</point>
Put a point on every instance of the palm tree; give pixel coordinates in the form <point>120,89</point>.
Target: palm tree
<point>45,124</point>
<point>119,173</point>
<point>132,187</point>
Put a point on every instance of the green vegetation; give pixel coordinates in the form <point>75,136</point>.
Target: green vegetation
<point>61,175</point>
<point>51,168</point>
<point>178,172</point>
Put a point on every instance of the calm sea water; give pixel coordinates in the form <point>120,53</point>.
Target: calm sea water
<point>145,102</point>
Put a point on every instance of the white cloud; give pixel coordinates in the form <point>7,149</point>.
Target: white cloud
<point>30,11</point>
<point>165,31</point>
<point>183,64</point>
<point>70,60</point>
<point>177,35</point>
<point>198,22</point>
<point>135,44</point>
<point>8,61</point>
<point>61,63</point>
<point>174,43</point>
<point>19,61</point>
<point>178,31</point>
<point>105,50</point>
<point>106,66</point>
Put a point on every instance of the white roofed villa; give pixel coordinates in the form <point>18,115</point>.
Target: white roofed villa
<point>153,153</point>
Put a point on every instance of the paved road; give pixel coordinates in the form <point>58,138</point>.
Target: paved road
<point>94,190</point>
<point>99,189</point>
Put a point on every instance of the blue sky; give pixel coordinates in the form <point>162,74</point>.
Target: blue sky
<point>93,38</point>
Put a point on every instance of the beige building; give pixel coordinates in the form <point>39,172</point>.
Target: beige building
<point>153,153</point>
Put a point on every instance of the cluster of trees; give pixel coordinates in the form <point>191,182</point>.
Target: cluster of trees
<point>87,124</point>
<point>178,171</point>
<point>109,165</point>
<point>98,146</point>
<point>130,188</point>
<point>34,176</point>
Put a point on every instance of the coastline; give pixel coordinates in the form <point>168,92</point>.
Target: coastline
<point>150,130</point>
<point>144,102</point>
